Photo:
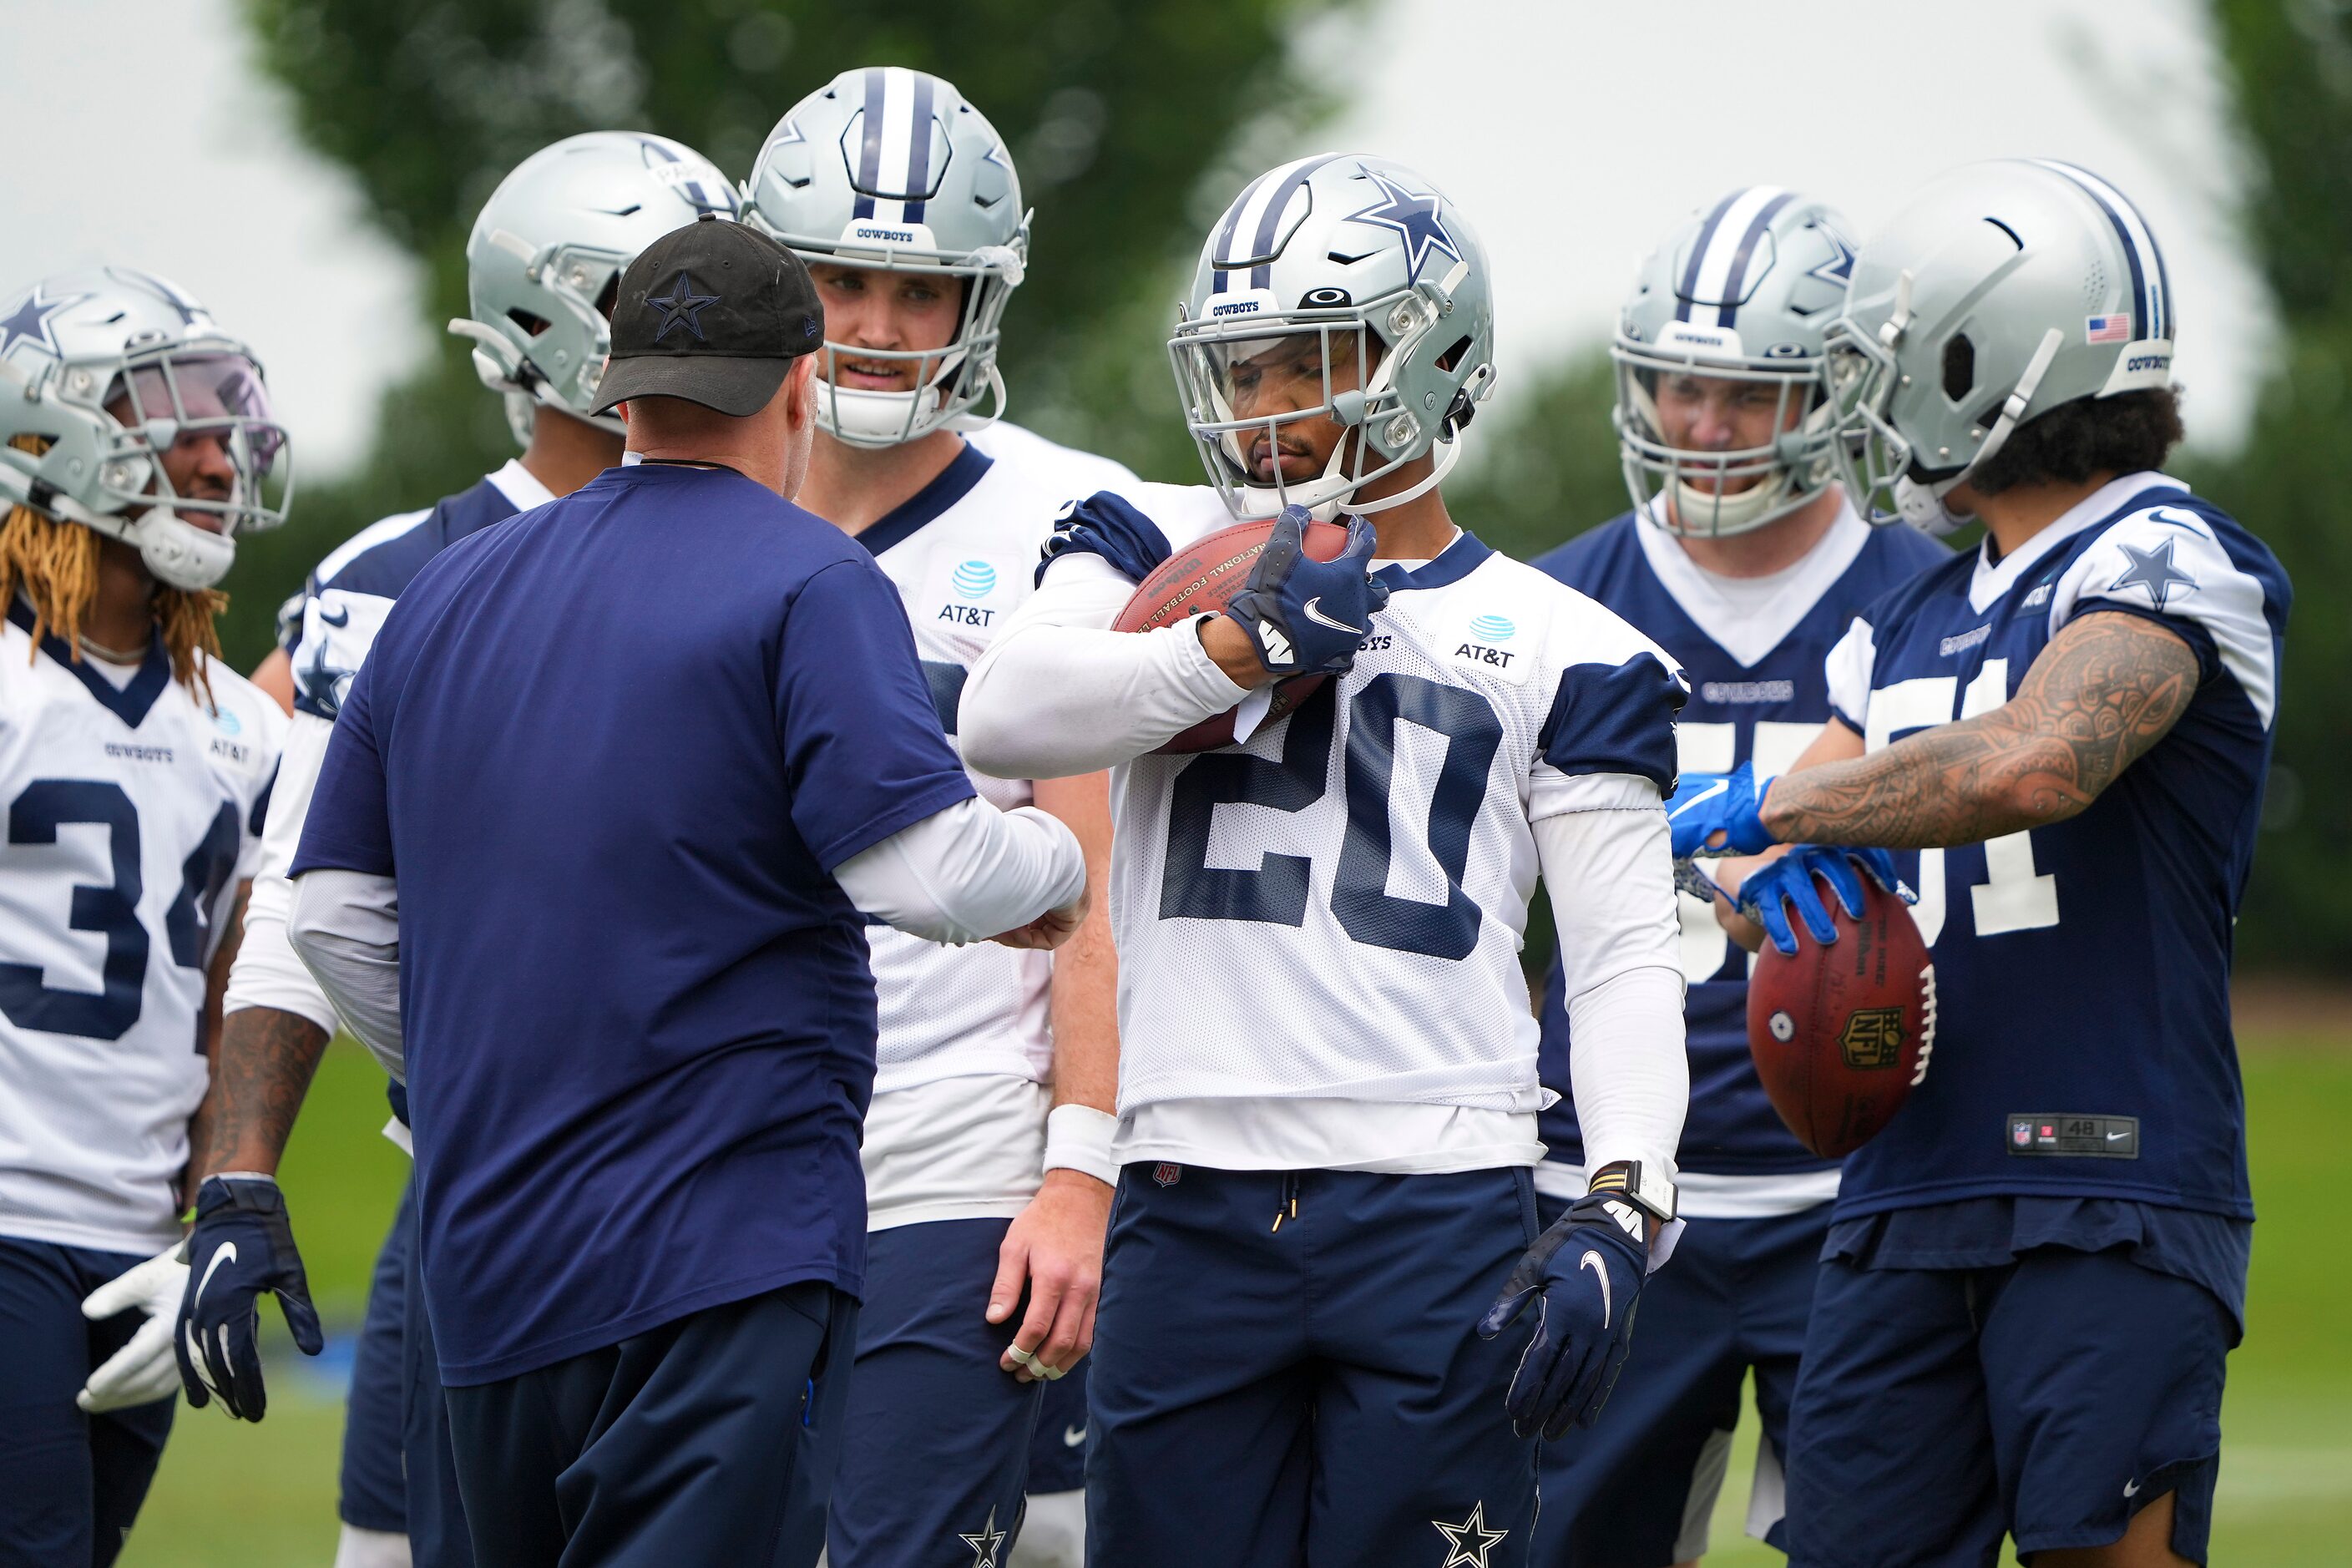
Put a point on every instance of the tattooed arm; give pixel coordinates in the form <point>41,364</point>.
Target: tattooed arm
<point>262,1064</point>
<point>2108,688</point>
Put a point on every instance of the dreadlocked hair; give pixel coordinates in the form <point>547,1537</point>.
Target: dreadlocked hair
<point>55,564</point>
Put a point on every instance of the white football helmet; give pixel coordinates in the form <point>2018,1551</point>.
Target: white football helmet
<point>549,249</point>
<point>1739,291</point>
<point>107,371</point>
<point>1372,260</point>
<point>891,168</point>
<point>1998,292</point>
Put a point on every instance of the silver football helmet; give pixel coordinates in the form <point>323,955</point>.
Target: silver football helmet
<point>548,251</point>
<point>107,372</point>
<point>891,168</point>
<point>1997,293</point>
<point>1739,291</point>
<point>1361,261</point>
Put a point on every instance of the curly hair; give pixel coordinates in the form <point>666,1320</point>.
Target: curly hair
<point>54,563</point>
<point>2124,434</point>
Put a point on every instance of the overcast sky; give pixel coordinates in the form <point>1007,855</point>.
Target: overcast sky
<point>1574,132</point>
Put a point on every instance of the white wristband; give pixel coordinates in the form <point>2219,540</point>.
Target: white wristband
<point>1078,1138</point>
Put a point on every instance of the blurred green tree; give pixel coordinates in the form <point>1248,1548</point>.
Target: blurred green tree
<point>1131,122</point>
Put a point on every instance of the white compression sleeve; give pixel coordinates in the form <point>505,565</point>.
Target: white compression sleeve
<point>967,873</point>
<point>266,973</point>
<point>1060,693</point>
<point>346,928</point>
<point>1610,874</point>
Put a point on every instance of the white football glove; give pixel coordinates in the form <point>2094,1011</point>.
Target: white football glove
<point>145,1370</point>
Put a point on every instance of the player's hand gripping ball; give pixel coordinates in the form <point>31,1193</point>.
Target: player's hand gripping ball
<point>1231,572</point>
<point>1841,1018</point>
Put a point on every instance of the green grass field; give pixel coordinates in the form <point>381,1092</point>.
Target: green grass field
<point>231,1494</point>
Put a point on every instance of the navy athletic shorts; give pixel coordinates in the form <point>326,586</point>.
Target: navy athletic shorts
<point>2050,1395</point>
<point>1638,1490</point>
<point>1057,1459</point>
<point>70,1484</point>
<point>1286,1370</point>
<point>937,1453</point>
<point>373,1496</point>
<point>710,1440</point>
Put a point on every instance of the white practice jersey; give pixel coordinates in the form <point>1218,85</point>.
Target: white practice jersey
<point>1334,910</point>
<point>134,809</point>
<point>964,554</point>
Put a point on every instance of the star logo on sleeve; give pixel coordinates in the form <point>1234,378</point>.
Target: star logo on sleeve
<point>1469,1542</point>
<point>30,321</point>
<point>2154,571</point>
<point>681,307</point>
<point>984,1542</point>
<point>1419,220</point>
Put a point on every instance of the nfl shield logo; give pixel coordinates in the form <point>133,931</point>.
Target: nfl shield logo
<point>1166,1175</point>
<point>2020,1133</point>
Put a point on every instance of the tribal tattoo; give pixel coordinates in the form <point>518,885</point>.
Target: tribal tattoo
<point>261,1071</point>
<point>2106,689</point>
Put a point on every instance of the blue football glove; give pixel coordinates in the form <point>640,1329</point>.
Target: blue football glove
<point>1771,890</point>
<point>1704,805</point>
<point>1585,1276</point>
<point>1306,617</point>
<point>241,1249</point>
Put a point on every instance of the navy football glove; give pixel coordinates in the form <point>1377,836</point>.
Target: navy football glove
<point>1306,617</point>
<point>1773,888</point>
<point>1584,1276</point>
<point>1704,805</point>
<point>241,1249</point>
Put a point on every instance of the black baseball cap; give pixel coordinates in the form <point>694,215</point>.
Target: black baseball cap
<point>714,312</point>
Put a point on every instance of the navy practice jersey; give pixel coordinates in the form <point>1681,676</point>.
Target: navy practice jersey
<point>611,751</point>
<point>1758,693</point>
<point>2082,1041</point>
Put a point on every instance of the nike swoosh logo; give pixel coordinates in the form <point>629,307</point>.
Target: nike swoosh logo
<point>227,1254</point>
<point>1716,788</point>
<point>2112,1136</point>
<point>2131,1489</point>
<point>342,620</point>
<point>1599,1271</point>
<point>1073,1435</point>
<point>1316,615</point>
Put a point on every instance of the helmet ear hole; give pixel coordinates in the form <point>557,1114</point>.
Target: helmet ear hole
<point>1959,366</point>
<point>1453,356</point>
<point>531,325</point>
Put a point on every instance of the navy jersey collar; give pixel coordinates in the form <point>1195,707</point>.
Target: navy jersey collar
<point>926,505</point>
<point>132,703</point>
<point>1453,564</point>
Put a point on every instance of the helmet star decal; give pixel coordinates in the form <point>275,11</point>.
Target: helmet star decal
<point>29,322</point>
<point>1838,270</point>
<point>681,307</point>
<point>1417,219</point>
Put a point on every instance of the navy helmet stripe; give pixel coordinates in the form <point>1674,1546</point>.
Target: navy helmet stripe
<point>2143,321</point>
<point>693,187</point>
<point>919,149</point>
<point>1224,245</point>
<point>1698,254</point>
<point>1269,222</point>
<point>869,152</point>
<point>1738,273</point>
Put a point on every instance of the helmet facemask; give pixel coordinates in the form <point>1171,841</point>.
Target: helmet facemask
<point>527,354</point>
<point>1715,494</point>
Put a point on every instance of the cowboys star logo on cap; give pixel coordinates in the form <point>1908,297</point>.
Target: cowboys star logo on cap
<point>714,312</point>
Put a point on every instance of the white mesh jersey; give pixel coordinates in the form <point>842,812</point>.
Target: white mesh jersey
<point>964,554</point>
<point>1335,909</point>
<point>133,812</point>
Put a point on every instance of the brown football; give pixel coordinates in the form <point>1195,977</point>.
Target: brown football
<point>1841,1032</point>
<point>1201,579</point>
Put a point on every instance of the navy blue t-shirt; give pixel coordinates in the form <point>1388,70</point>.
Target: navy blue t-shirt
<point>1763,702</point>
<point>612,752</point>
<point>2084,1046</point>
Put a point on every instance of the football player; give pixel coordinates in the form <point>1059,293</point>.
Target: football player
<point>136,443</point>
<point>542,261</point>
<point>987,1149</point>
<point>1744,560</point>
<point>2035,1274</point>
<point>1328,1089</point>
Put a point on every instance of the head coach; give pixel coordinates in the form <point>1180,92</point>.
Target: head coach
<point>589,862</point>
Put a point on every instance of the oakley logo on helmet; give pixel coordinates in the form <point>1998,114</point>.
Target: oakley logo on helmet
<point>681,307</point>
<point>1325,300</point>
